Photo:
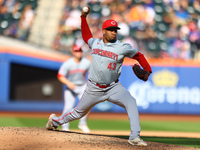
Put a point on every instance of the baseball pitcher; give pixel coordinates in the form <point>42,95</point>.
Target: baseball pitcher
<point>106,63</point>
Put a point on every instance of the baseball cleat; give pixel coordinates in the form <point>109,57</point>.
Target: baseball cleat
<point>137,141</point>
<point>49,125</point>
<point>65,129</point>
<point>84,128</point>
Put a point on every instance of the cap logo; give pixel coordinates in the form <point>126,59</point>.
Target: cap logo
<point>113,22</point>
<point>110,24</point>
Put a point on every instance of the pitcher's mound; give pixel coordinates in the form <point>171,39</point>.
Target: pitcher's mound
<point>40,138</point>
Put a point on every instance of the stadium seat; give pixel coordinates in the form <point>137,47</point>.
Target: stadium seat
<point>159,9</point>
<point>158,18</point>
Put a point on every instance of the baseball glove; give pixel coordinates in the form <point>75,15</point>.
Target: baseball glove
<point>140,73</point>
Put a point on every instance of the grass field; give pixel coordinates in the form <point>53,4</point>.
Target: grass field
<point>107,124</point>
<point>120,125</point>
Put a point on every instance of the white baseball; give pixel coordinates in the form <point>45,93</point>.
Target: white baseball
<point>85,9</point>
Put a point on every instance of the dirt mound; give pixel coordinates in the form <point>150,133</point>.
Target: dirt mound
<point>40,138</point>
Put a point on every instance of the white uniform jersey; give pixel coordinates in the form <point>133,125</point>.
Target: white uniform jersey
<point>107,60</point>
<point>75,72</point>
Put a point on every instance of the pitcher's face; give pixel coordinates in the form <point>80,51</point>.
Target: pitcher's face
<point>109,35</point>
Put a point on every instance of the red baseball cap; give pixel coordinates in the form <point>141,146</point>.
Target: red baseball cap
<point>76,48</point>
<point>110,24</point>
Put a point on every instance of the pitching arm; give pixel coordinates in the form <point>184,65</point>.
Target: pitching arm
<point>85,30</point>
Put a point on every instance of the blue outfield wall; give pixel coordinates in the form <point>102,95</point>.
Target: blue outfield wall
<point>6,104</point>
<point>170,90</point>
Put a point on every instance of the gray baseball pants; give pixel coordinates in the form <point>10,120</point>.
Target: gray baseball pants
<point>115,93</point>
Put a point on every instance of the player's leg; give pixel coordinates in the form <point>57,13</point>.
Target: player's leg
<point>122,97</point>
<point>69,102</point>
<point>88,100</point>
<point>83,121</point>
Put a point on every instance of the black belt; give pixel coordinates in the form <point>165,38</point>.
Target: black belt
<point>103,86</point>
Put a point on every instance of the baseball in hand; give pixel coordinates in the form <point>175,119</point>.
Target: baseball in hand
<point>85,9</point>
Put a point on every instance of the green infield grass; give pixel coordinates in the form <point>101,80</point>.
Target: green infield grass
<point>107,124</point>
<point>95,124</point>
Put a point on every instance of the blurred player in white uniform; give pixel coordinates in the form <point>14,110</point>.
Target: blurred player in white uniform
<point>72,73</point>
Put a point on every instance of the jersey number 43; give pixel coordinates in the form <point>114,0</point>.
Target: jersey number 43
<point>112,66</point>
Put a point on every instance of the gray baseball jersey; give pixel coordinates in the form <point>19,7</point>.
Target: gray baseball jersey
<point>74,71</point>
<point>107,60</point>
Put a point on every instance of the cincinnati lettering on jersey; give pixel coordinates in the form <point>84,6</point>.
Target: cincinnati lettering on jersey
<point>105,53</point>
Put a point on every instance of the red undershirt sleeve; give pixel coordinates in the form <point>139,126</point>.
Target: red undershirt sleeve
<point>85,30</point>
<point>143,62</point>
<point>59,75</point>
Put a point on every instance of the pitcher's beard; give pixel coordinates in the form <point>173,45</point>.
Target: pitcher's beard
<point>112,40</point>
